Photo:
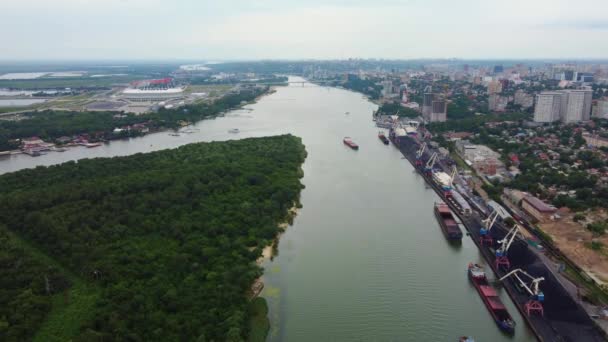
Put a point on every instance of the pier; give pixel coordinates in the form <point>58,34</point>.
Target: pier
<point>564,319</point>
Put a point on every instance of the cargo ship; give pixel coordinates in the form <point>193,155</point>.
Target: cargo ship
<point>490,298</point>
<point>383,137</point>
<point>447,222</point>
<point>350,143</point>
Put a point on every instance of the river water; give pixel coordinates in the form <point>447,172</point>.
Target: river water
<point>365,259</point>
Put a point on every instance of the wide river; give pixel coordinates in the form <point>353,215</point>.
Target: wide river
<point>365,259</point>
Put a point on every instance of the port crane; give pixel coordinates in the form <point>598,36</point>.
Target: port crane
<point>534,304</point>
<point>484,231</point>
<point>420,153</point>
<point>430,163</point>
<point>505,244</point>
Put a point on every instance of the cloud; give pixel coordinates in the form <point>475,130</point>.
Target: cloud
<point>302,29</point>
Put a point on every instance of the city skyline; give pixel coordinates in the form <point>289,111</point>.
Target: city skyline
<point>270,29</point>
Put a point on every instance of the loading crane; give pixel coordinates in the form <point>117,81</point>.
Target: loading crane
<point>534,304</point>
<point>505,244</point>
<point>430,163</point>
<point>484,231</point>
<point>420,153</point>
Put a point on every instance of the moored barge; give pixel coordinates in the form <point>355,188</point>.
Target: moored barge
<point>447,222</point>
<point>490,298</point>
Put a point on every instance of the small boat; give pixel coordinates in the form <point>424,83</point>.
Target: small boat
<point>383,137</point>
<point>447,222</point>
<point>466,339</point>
<point>490,298</point>
<point>60,149</point>
<point>350,143</point>
<point>90,145</point>
<point>175,134</point>
<point>346,113</point>
<point>234,130</point>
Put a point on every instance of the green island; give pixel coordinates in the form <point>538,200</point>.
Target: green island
<point>52,124</point>
<point>159,246</point>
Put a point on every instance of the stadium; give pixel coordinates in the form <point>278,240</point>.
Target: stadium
<point>152,91</point>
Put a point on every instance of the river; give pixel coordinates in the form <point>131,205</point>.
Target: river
<point>365,259</point>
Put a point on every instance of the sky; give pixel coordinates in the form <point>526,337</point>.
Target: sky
<point>310,29</point>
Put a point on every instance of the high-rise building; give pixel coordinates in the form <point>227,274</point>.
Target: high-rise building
<point>576,106</point>
<point>439,111</point>
<point>548,107</point>
<point>427,105</point>
<point>498,69</point>
<point>600,110</point>
<point>566,105</point>
<point>494,87</point>
<point>523,99</point>
<point>584,77</point>
<point>387,88</point>
<point>497,103</point>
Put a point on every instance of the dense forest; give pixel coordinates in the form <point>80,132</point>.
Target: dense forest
<point>367,87</point>
<point>54,124</point>
<point>150,247</point>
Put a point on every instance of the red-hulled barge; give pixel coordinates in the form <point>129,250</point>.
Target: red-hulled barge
<point>490,298</point>
<point>447,222</point>
<point>383,137</point>
<point>350,143</point>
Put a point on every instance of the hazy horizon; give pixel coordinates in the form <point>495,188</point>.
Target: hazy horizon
<point>155,30</point>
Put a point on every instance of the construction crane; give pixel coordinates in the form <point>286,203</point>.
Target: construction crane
<point>430,163</point>
<point>505,244</point>
<point>484,231</point>
<point>420,153</point>
<point>534,304</point>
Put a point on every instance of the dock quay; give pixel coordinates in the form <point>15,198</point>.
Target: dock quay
<point>564,319</point>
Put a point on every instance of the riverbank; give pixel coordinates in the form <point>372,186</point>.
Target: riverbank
<point>565,319</point>
<point>90,127</point>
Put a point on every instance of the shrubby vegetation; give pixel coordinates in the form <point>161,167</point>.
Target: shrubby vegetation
<point>367,87</point>
<point>54,124</point>
<point>395,108</point>
<point>170,237</point>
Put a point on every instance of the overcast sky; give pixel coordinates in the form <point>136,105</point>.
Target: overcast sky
<point>256,29</point>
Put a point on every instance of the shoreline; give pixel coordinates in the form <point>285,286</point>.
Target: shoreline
<point>269,251</point>
<point>270,91</point>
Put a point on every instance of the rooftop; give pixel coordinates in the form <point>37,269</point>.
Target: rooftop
<point>539,205</point>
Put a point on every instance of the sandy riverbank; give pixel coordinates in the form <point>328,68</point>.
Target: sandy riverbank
<point>270,251</point>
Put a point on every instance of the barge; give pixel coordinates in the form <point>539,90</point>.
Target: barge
<point>490,298</point>
<point>350,143</point>
<point>447,222</point>
<point>383,138</point>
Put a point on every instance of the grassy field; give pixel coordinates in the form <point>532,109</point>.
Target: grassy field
<point>211,90</point>
<point>593,291</point>
<point>69,309</point>
<point>13,109</point>
<point>68,82</point>
<point>259,325</point>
